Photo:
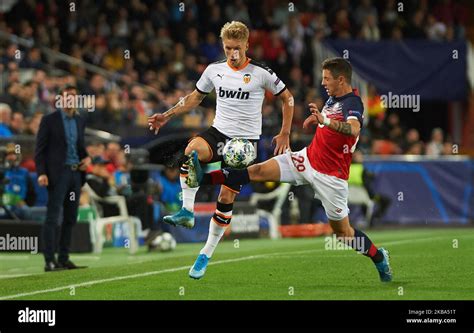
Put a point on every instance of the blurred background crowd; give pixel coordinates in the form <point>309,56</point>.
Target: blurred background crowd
<point>143,55</point>
<point>155,51</point>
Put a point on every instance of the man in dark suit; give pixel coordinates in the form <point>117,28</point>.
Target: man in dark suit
<point>61,160</point>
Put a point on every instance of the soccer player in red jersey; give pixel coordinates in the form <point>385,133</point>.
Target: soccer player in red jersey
<point>324,164</point>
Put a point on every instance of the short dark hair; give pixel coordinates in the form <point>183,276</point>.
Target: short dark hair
<point>338,67</point>
<point>67,87</point>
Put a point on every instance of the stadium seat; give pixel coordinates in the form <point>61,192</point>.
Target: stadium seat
<point>280,194</point>
<point>98,221</point>
<point>358,196</point>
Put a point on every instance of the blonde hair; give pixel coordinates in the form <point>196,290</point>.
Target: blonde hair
<point>235,30</point>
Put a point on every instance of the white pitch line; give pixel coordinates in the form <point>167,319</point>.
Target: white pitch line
<point>7,276</point>
<point>118,278</point>
<point>14,257</point>
<point>176,269</point>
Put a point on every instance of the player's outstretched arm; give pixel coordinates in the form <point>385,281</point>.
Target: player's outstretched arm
<point>186,104</point>
<point>350,127</point>
<point>282,139</point>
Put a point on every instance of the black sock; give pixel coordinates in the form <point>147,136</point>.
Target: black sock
<point>364,245</point>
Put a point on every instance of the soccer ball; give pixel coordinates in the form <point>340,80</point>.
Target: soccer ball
<point>239,153</point>
<point>164,243</point>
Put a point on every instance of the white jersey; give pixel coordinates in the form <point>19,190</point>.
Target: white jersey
<point>240,93</point>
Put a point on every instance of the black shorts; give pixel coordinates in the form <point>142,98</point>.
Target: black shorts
<point>216,141</point>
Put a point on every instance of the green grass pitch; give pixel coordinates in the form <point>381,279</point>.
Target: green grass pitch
<point>428,264</point>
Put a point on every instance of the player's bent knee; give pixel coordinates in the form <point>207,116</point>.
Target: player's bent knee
<point>201,147</point>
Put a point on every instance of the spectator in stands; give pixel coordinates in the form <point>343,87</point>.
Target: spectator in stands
<point>364,10</point>
<point>435,146</point>
<point>32,59</point>
<point>34,124</point>
<point>394,129</point>
<point>390,14</point>
<point>157,37</point>
<point>370,30</point>
<point>170,193</point>
<point>10,96</point>
<point>238,11</point>
<point>416,29</point>
<point>191,42</point>
<point>95,149</point>
<point>435,30</point>
<point>416,148</point>
<point>12,54</point>
<point>28,101</point>
<point>19,192</point>
<point>17,124</point>
<point>101,180</point>
<point>396,33</point>
<point>296,84</point>
<point>5,121</point>
<point>211,49</point>
<point>292,34</point>
<point>115,60</point>
<point>342,25</point>
<point>190,65</point>
<point>273,47</point>
<point>113,153</point>
<point>448,148</point>
<point>411,142</point>
<point>214,21</point>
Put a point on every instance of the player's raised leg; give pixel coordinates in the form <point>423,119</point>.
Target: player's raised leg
<point>185,216</point>
<point>217,226</point>
<point>360,242</point>
<point>266,171</point>
<point>261,172</point>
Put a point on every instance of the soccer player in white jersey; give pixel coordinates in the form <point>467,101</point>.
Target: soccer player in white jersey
<point>240,84</point>
<point>324,164</point>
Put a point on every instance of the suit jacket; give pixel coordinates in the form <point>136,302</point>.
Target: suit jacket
<point>51,146</point>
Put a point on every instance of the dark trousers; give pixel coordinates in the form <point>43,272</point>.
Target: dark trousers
<point>63,198</point>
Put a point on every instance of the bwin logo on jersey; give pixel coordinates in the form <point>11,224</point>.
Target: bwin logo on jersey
<point>233,93</point>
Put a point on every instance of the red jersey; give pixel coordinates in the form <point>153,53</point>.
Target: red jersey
<point>330,152</point>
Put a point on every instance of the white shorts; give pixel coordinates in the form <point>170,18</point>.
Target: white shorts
<point>296,169</point>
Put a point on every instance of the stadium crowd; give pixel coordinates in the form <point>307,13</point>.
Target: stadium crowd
<point>180,39</point>
<point>154,52</point>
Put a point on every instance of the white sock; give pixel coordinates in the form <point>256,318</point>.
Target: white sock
<point>189,194</point>
<point>215,234</point>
